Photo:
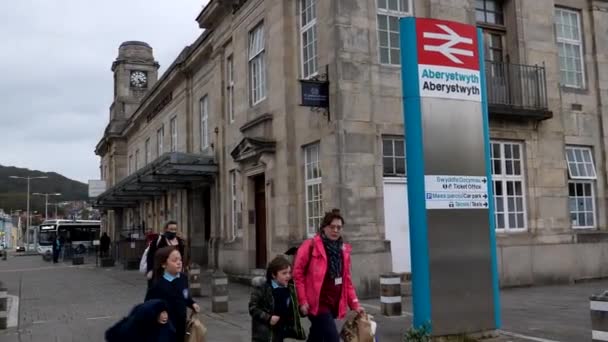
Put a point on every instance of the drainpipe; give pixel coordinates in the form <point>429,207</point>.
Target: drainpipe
<point>338,110</point>
<point>189,148</point>
<point>222,155</point>
<point>602,128</point>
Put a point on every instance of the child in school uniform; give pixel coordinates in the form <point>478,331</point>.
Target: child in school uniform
<point>171,285</point>
<point>274,306</point>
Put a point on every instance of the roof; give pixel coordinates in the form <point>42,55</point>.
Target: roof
<point>174,170</point>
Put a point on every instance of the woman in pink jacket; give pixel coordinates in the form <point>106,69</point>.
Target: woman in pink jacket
<point>323,279</point>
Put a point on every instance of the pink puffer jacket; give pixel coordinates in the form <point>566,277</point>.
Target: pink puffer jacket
<point>309,273</point>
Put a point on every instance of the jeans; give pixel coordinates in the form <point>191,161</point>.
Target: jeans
<point>323,328</point>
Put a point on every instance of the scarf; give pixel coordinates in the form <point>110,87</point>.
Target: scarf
<point>333,249</point>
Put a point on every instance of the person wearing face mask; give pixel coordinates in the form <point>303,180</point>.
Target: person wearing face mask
<point>323,279</point>
<point>168,238</point>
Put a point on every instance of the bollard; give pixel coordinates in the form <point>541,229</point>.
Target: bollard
<point>194,280</point>
<point>390,294</point>
<point>219,292</point>
<point>3,306</point>
<point>5,255</point>
<point>599,317</point>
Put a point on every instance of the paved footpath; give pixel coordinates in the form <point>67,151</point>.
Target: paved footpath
<point>65,303</point>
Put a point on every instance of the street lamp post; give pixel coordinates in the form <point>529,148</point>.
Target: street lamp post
<point>46,201</point>
<point>56,205</point>
<point>27,229</point>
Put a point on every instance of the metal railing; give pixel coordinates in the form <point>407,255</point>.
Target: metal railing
<point>516,86</point>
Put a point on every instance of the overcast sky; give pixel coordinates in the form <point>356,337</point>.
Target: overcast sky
<point>55,78</point>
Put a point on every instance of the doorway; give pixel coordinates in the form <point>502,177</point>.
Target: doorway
<point>260,221</point>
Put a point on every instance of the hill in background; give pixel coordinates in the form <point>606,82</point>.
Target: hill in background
<point>13,191</point>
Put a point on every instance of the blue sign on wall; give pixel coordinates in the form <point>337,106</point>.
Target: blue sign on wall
<point>315,93</point>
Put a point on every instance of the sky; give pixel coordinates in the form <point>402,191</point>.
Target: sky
<point>55,78</point>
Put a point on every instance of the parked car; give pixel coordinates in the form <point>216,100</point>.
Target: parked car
<point>20,249</point>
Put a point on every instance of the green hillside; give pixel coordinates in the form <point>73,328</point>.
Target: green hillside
<point>13,191</point>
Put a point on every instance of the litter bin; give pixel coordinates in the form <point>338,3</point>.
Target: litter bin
<point>599,317</point>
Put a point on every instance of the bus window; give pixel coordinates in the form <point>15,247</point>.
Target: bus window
<point>45,238</point>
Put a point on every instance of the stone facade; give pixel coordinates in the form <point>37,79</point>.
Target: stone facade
<point>261,148</point>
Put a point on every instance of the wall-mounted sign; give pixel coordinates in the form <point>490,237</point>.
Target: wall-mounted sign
<point>315,93</point>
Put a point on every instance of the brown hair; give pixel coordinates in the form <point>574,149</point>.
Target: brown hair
<point>334,214</point>
<point>160,258</point>
<point>277,264</point>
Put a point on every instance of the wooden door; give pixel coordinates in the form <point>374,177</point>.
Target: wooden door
<point>260,221</point>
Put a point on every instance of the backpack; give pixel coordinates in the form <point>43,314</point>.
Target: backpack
<point>143,263</point>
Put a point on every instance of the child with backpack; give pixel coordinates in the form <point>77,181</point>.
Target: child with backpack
<point>171,285</point>
<point>274,306</point>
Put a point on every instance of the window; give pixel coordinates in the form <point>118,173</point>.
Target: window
<point>314,194</point>
<point>204,117</point>
<point>581,186</point>
<point>580,163</point>
<point>160,138</point>
<point>233,201</point>
<point>173,128</point>
<point>308,36</point>
<point>130,164</point>
<point>489,11</point>
<point>230,88</point>
<point>393,157</point>
<point>509,186</point>
<point>136,160</point>
<point>570,47</point>
<point>147,152</point>
<point>494,49</point>
<point>389,12</point>
<point>257,65</point>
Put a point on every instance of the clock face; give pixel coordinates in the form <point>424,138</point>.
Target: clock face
<point>139,79</point>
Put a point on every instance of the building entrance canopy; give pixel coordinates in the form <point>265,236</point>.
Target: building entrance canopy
<point>171,171</point>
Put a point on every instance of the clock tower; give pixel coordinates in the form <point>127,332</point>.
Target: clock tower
<point>135,72</point>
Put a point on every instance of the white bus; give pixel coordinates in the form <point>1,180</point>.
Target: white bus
<point>80,233</point>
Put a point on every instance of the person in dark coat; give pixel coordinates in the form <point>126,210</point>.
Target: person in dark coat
<point>171,285</point>
<point>147,322</point>
<point>274,305</point>
<point>104,244</point>
<point>168,238</point>
<point>56,248</point>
